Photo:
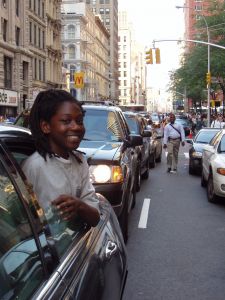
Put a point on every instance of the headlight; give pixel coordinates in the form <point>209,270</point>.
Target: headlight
<point>221,171</point>
<point>197,154</point>
<point>104,174</point>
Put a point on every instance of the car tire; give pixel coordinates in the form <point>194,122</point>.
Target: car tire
<point>123,220</point>
<point>145,175</point>
<point>152,161</point>
<point>138,177</point>
<point>191,170</point>
<point>212,197</point>
<point>159,159</point>
<point>203,181</point>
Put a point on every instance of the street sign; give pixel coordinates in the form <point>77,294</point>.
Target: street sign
<point>79,80</point>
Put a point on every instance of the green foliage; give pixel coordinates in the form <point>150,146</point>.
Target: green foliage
<point>194,64</point>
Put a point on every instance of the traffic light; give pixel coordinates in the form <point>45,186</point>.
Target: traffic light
<point>208,78</point>
<point>157,55</point>
<point>149,58</point>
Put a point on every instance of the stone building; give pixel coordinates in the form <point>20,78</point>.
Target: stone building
<point>86,51</point>
<point>30,33</point>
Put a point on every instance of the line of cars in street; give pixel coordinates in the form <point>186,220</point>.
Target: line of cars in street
<point>207,158</point>
<point>41,257</point>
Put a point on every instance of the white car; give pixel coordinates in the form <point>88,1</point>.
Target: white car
<point>213,167</point>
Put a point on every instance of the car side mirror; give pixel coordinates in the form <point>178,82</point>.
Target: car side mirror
<point>147,133</point>
<point>189,141</point>
<point>135,140</point>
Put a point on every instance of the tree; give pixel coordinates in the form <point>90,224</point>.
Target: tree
<point>192,73</point>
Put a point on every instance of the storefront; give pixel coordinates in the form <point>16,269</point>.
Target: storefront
<point>8,103</point>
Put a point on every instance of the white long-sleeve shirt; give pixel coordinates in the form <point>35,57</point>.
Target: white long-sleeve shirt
<point>169,131</point>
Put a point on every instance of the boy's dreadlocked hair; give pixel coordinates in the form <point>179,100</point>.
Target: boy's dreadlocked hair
<point>44,108</point>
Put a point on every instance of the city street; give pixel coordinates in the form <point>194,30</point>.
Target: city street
<point>180,253</point>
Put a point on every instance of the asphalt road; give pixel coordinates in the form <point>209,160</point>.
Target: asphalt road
<point>181,252</point>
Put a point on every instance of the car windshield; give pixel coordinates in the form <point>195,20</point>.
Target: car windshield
<point>205,137</point>
<point>132,124</point>
<point>155,118</point>
<point>222,144</point>
<point>101,125</point>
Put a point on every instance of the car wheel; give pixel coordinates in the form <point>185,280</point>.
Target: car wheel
<point>152,161</point>
<point>203,181</point>
<point>191,169</point>
<point>134,197</point>
<point>210,190</point>
<point>159,159</point>
<point>123,220</point>
<point>138,177</point>
<point>146,173</point>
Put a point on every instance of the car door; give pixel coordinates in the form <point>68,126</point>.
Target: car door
<point>209,153</point>
<point>26,261</point>
<point>78,252</point>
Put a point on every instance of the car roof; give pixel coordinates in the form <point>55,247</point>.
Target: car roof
<point>101,107</point>
<point>209,128</point>
<point>12,130</point>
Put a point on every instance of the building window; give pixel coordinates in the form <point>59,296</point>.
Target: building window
<point>17,7</point>
<point>8,72</point>
<point>39,37</point>
<point>71,51</point>
<point>43,39</point>
<point>39,7</point>
<point>30,4</point>
<point>30,32</point>
<point>197,17</point>
<point>101,10</point>
<point>4,30</point>
<point>71,32</point>
<point>125,83</point>
<point>17,36</point>
<point>40,65</point>
<point>124,56</point>
<point>107,21</point>
<point>34,5</point>
<point>25,72</point>
<point>125,38</point>
<point>125,73</point>
<point>101,1</point>
<point>43,70</point>
<point>72,71</point>
<point>124,64</point>
<point>35,68</point>
<point>4,3</point>
<point>35,32</point>
<point>198,7</point>
<point>107,11</point>
<point>43,10</point>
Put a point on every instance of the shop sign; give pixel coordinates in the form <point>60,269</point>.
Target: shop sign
<point>8,98</point>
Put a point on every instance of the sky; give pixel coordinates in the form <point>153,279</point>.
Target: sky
<point>157,20</point>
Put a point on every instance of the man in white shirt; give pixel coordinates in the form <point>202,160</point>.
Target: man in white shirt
<point>173,135</point>
<point>218,122</point>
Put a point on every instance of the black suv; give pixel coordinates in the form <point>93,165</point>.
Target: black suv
<point>109,147</point>
<point>137,125</point>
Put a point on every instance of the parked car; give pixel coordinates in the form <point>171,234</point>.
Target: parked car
<point>203,137</point>
<point>213,167</point>
<point>44,257</point>
<point>186,125</point>
<point>109,147</point>
<point>137,126</point>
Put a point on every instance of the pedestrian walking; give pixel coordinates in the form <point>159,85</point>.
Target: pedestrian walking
<point>218,122</point>
<point>58,172</point>
<point>173,136</point>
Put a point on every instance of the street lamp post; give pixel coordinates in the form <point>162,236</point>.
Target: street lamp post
<point>208,69</point>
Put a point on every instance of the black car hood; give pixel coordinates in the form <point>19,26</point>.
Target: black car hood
<point>100,150</point>
<point>198,147</point>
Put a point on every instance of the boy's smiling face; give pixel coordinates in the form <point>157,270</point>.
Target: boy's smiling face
<point>65,129</point>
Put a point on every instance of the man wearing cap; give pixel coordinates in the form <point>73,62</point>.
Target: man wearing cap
<point>173,135</point>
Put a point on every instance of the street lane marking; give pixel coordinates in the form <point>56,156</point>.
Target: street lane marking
<point>186,154</point>
<point>144,213</point>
